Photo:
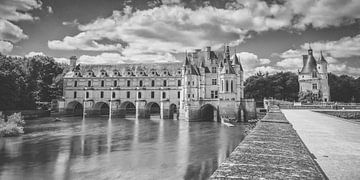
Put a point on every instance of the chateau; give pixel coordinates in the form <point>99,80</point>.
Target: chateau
<point>207,86</point>
<point>313,76</point>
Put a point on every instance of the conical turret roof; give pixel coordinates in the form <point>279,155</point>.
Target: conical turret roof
<point>309,64</point>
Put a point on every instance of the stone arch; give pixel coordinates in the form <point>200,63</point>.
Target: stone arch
<point>127,108</point>
<point>173,111</point>
<point>101,108</point>
<point>208,113</point>
<point>74,107</point>
<point>153,108</point>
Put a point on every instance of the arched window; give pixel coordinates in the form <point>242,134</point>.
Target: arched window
<point>227,85</point>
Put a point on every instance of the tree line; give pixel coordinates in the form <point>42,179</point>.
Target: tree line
<point>285,86</point>
<point>24,81</point>
<point>28,80</point>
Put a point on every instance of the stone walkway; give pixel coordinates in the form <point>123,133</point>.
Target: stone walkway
<point>273,150</point>
<point>334,142</point>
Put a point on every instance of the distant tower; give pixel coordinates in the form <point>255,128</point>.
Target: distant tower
<point>73,60</point>
<point>314,76</point>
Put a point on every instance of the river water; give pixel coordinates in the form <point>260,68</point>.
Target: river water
<point>128,148</point>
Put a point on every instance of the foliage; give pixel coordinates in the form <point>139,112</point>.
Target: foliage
<point>13,127</point>
<point>282,85</point>
<point>308,96</point>
<point>24,81</point>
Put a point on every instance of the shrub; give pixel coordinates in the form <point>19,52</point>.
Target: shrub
<point>13,127</point>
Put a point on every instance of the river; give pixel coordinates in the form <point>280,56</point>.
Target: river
<point>127,148</point>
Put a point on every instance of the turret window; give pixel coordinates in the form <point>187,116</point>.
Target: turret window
<point>232,86</point>
<point>164,83</point>
<point>102,83</point>
<point>89,83</point>
<point>115,83</point>
<point>140,83</point>
<point>128,83</point>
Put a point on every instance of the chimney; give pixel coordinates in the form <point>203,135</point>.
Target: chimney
<point>73,60</point>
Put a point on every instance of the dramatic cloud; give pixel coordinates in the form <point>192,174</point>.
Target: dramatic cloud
<point>10,11</point>
<point>5,47</point>
<point>32,54</point>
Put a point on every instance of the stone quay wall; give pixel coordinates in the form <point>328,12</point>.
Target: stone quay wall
<point>273,150</point>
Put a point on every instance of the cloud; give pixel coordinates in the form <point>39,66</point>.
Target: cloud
<point>71,23</point>
<point>170,29</point>
<point>5,47</point>
<point>62,60</point>
<point>13,11</point>
<point>32,54</point>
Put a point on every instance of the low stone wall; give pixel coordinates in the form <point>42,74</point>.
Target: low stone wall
<point>342,114</point>
<point>319,107</point>
<point>28,114</point>
<point>273,150</point>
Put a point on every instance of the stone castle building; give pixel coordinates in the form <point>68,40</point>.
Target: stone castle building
<point>206,86</point>
<point>314,76</point>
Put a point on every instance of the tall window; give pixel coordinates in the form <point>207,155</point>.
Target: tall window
<point>89,83</point>
<point>113,95</point>
<point>222,85</point>
<point>75,95</point>
<point>214,94</point>
<point>152,83</point>
<point>213,69</point>
<point>164,95</point>
<point>128,83</point>
<point>314,75</point>
<point>314,86</point>
<point>101,94</point>
<point>75,83</point>
<point>139,95</point>
<point>178,94</point>
<point>232,86</point>
<point>102,83</point>
<point>140,83</point>
<point>115,83</point>
<point>213,82</point>
<point>164,83</point>
<point>152,94</point>
<point>227,85</point>
<point>87,94</point>
<point>128,94</point>
<point>179,82</point>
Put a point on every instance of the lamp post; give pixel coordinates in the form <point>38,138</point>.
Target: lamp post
<point>84,106</point>
<point>111,95</point>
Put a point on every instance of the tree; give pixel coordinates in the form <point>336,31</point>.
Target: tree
<point>309,96</point>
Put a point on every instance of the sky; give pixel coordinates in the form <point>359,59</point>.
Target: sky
<point>267,35</point>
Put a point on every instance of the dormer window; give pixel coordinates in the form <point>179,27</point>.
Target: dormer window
<point>129,73</point>
<point>179,72</point>
<point>141,73</point>
<point>153,73</point>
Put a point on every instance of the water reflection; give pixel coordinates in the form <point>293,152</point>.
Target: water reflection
<point>99,148</point>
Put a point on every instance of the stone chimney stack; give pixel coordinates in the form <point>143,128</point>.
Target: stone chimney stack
<point>73,60</point>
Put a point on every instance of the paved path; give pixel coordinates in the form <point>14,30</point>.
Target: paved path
<point>334,142</point>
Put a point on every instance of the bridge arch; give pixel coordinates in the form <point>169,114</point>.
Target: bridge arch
<point>127,108</point>
<point>101,108</point>
<point>173,111</point>
<point>208,113</point>
<point>74,107</point>
<point>153,108</point>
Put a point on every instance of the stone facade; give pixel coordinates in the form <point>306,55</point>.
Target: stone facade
<point>314,76</point>
<point>207,86</point>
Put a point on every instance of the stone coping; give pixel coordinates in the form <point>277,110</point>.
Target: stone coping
<point>273,150</point>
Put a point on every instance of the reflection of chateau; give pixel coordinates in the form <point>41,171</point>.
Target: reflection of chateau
<point>206,86</point>
<point>314,76</point>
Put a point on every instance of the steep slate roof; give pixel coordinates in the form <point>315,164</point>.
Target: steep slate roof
<point>322,59</point>
<point>309,65</point>
<point>236,61</point>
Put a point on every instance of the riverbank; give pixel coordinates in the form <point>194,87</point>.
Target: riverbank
<point>273,150</point>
